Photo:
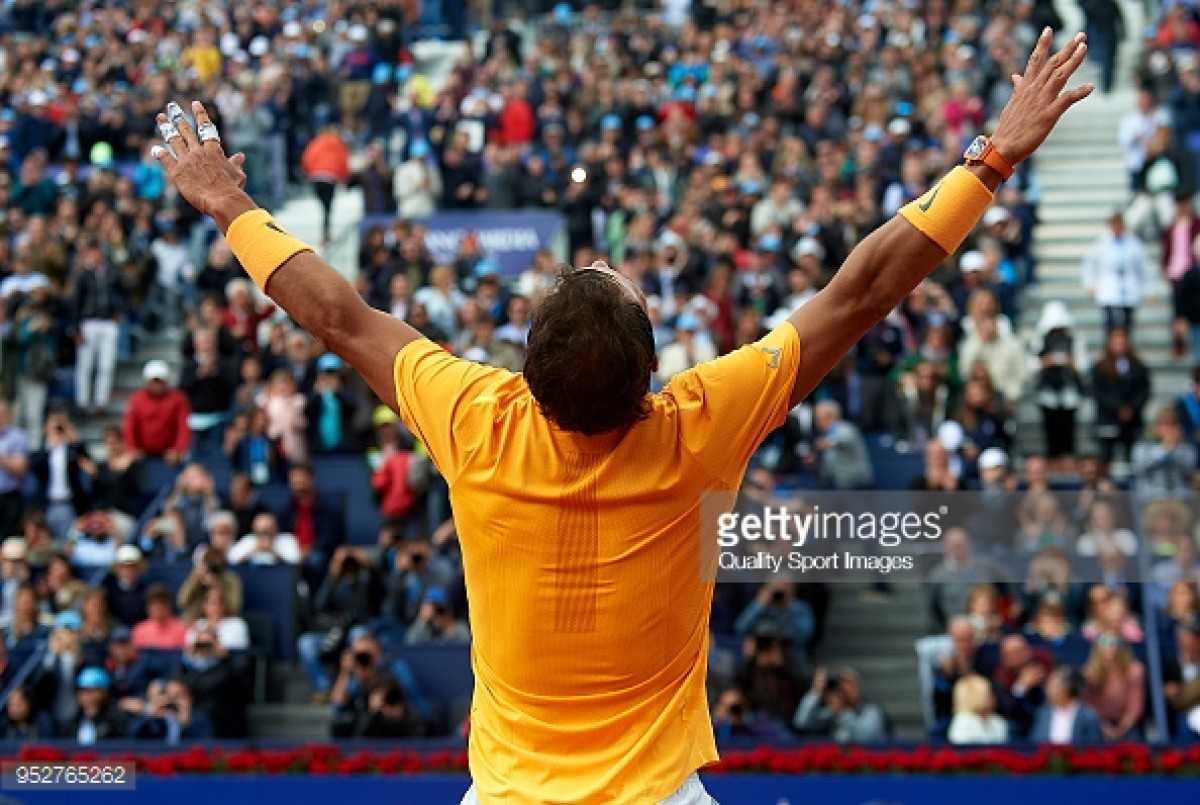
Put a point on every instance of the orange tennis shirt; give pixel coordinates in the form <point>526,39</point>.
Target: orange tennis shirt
<point>588,612</point>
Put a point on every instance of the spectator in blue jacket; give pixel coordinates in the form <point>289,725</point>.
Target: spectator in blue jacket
<point>1064,719</point>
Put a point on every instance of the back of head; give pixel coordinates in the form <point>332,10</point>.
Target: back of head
<point>590,355</point>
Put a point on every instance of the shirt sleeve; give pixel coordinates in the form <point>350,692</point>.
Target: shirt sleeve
<point>435,391</point>
<point>728,406</point>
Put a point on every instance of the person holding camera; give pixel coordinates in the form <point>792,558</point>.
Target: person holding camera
<point>733,718</point>
<point>776,604</point>
<point>347,597</point>
<point>210,571</point>
<point>167,714</point>
<point>165,538</point>
<point>773,685</point>
<point>414,569</point>
<point>93,540</point>
<point>64,472</point>
<point>834,708</point>
<point>264,545</point>
<point>360,670</point>
<point>54,681</point>
<point>195,498</point>
<point>218,682</point>
<point>231,630</point>
<point>436,624</point>
<point>389,714</point>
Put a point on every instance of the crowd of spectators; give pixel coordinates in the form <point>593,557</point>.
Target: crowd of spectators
<point>727,156</point>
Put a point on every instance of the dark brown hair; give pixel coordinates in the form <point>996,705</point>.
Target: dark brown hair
<point>591,352</point>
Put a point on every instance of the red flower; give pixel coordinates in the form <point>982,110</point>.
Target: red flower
<point>324,759</point>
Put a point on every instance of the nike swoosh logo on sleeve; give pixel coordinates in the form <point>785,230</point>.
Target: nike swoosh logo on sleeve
<point>925,207</point>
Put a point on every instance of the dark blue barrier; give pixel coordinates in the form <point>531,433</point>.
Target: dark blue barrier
<point>728,790</point>
<point>265,588</point>
<point>351,476</point>
<point>444,675</point>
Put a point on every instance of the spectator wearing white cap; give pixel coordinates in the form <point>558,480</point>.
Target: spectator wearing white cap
<point>156,421</point>
<point>125,586</point>
<point>1060,353</point>
<point>1116,273</point>
<point>973,275</point>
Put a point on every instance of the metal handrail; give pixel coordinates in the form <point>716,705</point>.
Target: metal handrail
<point>25,672</point>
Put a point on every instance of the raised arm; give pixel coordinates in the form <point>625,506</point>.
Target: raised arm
<point>887,265</point>
<point>307,288</point>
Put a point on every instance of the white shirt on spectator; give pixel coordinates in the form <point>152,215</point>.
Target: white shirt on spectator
<point>174,262</point>
<point>418,185</point>
<point>232,633</point>
<point>1123,539</point>
<point>442,308</point>
<point>1117,270</point>
<point>88,552</point>
<point>22,284</point>
<point>676,357</point>
<point>284,549</point>
<point>1135,132</point>
<point>972,728</point>
<point>1062,724</point>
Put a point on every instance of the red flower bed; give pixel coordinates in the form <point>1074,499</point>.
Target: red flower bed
<point>1133,759</point>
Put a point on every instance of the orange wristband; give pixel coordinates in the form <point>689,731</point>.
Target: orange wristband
<point>261,246</point>
<point>951,208</point>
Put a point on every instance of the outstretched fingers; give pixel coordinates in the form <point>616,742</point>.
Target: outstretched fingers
<point>205,128</point>
<point>1038,57</point>
<point>1067,69</point>
<point>179,120</point>
<point>1059,60</point>
<point>237,161</point>
<point>1072,97</point>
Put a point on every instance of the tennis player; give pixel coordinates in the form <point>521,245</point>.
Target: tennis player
<point>576,492</point>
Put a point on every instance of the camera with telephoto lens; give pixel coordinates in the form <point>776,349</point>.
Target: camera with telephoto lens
<point>364,659</point>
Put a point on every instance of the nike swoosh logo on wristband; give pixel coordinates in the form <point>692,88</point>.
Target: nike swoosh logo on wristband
<point>922,207</point>
<point>274,226</point>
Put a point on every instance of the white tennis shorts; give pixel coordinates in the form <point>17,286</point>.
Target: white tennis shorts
<point>690,793</point>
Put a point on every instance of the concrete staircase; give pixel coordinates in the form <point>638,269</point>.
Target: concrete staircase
<point>1084,180</point>
<point>287,715</point>
<point>876,639</point>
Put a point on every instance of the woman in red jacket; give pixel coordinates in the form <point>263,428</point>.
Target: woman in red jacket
<point>326,163</point>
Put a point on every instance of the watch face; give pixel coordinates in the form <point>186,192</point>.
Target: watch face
<point>975,149</point>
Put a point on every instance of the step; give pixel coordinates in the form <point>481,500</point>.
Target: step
<point>290,720</point>
<point>1091,209</point>
<point>1061,201</point>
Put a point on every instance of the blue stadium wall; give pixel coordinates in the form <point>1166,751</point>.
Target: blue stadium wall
<point>727,790</point>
